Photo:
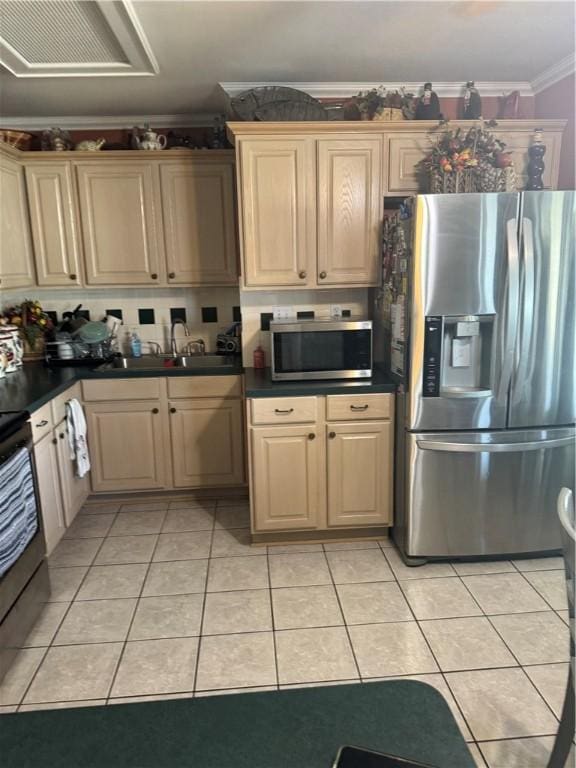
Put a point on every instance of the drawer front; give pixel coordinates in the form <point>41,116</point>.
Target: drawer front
<point>205,386</point>
<point>353,407</point>
<point>42,422</point>
<point>284,410</point>
<point>59,402</point>
<point>121,389</point>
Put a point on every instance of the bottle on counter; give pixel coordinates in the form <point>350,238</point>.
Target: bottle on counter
<point>259,357</point>
<point>135,345</point>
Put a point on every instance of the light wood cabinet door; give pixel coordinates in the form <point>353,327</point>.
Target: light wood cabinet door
<point>199,232</point>
<point>404,153</point>
<point>206,437</point>
<point>119,206</point>
<point>127,445</point>
<point>287,477</point>
<point>53,520</point>
<point>74,489</point>
<point>359,459</point>
<point>16,266</point>
<point>54,223</point>
<point>277,195</point>
<point>349,210</point>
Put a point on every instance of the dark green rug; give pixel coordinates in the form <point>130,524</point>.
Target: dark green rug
<point>300,728</point>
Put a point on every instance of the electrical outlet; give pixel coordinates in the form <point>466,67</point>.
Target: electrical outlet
<point>335,310</point>
<point>282,313</point>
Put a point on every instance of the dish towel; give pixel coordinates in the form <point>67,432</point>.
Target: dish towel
<point>18,510</point>
<point>77,436</point>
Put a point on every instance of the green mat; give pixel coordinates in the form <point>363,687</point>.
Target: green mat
<point>300,728</point>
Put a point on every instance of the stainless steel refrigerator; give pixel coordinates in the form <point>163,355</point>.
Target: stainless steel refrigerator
<point>480,317</point>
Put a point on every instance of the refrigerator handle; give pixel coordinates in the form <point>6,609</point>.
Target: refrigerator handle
<point>523,359</point>
<point>533,445</point>
<point>513,301</point>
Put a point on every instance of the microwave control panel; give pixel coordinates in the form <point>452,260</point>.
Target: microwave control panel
<point>432,356</point>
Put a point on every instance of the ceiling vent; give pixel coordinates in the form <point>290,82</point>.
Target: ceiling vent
<point>73,38</point>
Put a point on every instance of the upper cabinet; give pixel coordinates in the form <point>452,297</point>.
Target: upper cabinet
<point>54,223</point>
<point>120,223</point>
<point>199,231</point>
<point>16,269</point>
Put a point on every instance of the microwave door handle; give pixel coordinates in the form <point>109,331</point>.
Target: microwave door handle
<point>533,445</point>
<point>526,327</point>
<point>512,306</point>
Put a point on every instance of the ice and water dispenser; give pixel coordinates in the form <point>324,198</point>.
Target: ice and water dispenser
<point>458,356</point>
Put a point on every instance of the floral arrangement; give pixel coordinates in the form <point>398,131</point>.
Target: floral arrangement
<point>458,150</point>
<point>368,105</point>
<point>30,318</point>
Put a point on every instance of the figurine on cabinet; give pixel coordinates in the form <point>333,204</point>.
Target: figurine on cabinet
<point>509,106</point>
<point>472,102</point>
<point>428,105</point>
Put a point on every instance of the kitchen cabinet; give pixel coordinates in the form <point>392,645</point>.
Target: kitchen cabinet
<point>54,221</point>
<point>277,199</point>
<point>16,265</point>
<point>74,489</point>
<point>199,230</point>
<point>53,520</point>
<point>121,221</point>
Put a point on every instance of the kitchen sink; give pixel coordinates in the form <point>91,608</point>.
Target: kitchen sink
<point>205,361</point>
<point>161,362</point>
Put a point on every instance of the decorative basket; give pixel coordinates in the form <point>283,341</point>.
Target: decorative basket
<point>455,182</point>
<point>490,179</point>
<point>484,178</point>
<point>389,113</point>
<point>16,139</point>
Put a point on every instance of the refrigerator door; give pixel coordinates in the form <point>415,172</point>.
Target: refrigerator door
<point>543,387</point>
<point>473,494</point>
<point>464,290</point>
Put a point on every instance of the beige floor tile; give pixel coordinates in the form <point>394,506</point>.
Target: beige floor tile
<point>100,508</point>
<point>302,607</point>
<point>208,505</point>
<point>439,598</point>
<point>501,704</point>
<point>8,710</point>
<point>238,573</point>
<point>181,577</point>
<point>233,517</point>
<point>540,564</point>
<point>359,565</point>
<point>228,691</point>
<point>479,761</point>
<point>137,523</point>
<point>236,661</point>
<point>343,546</point>
<point>323,684</point>
<point>551,585</point>
<point>156,697</point>
<point>18,677</point>
<point>476,569</point>
<point>74,552</point>
<point>62,705</point>
<point>404,572</point>
<point>126,549</point>
<point>193,545</point>
<point>108,581</point>
<point>314,655</point>
<point>381,601</point>
<point>504,593</point>
<point>185,519</point>
<point>241,611</point>
<point>518,753</point>
<point>74,673</point>
<point>550,679</point>
<point>47,625</point>
<point>156,666</point>
<point>391,649</point>
<point>470,643</point>
<point>292,549</point>
<point>64,582</point>
<point>96,621</point>
<point>232,501</point>
<point>534,638</point>
<point>167,616</point>
<point>144,506</point>
<point>386,543</point>
<point>89,527</point>
<point>564,616</point>
<point>234,542</point>
<point>299,570</point>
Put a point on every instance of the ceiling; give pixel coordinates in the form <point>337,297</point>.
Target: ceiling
<point>199,44</point>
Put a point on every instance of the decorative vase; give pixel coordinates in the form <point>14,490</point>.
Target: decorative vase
<point>536,162</point>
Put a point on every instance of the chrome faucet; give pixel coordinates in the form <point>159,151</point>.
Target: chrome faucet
<point>178,321</point>
<point>196,347</point>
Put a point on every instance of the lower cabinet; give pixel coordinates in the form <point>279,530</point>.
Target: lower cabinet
<point>74,489</point>
<point>46,458</point>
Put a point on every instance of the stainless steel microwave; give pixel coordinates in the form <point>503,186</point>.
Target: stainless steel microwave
<point>321,349</point>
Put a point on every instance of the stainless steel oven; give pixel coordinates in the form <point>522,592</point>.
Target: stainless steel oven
<point>321,349</point>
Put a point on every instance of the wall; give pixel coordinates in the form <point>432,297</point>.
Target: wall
<point>558,101</point>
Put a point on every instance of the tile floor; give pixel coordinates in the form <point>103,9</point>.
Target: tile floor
<point>159,600</point>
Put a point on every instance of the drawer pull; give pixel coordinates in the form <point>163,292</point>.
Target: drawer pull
<point>172,410</point>
<point>154,276</point>
<point>281,412</point>
<point>61,435</point>
<point>54,441</point>
<point>155,410</point>
<point>358,407</point>
<point>331,435</point>
<point>311,436</point>
<point>42,423</point>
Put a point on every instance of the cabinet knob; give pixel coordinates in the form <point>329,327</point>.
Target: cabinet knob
<point>61,435</point>
<point>171,275</point>
<point>172,410</point>
<point>155,410</point>
<point>311,436</point>
<point>73,276</point>
<point>331,435</point>
<point>302,274</point>
<point>54,440</point>
<point>322,275</point>
<point>154,276</point>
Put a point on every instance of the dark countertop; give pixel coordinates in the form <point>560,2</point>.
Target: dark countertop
<point>35,384</point>
<point>258,383</point>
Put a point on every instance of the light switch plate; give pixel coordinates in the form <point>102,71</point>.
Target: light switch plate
<point>282,313</point>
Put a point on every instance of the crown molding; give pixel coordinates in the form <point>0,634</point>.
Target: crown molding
<point>555,73</point>
<point>345,90</point>
<point>103,122</point>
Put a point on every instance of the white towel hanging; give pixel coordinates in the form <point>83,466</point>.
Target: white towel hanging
<point>77,436</point>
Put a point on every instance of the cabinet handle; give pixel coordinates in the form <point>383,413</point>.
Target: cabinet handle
<point>154,276</point>
<point>54,441</point>
<point>72,276</point>
<point>42,423</point>
<point>322,275</point>
<point>172,410</point>
<point>155,410</point>
<point>358,407</point>
<point>171,275</point>
<point>302,274</point>
<point>61,435</point>
<point>311,436</point>
<point>279,411</point>
<point>331,435</point>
